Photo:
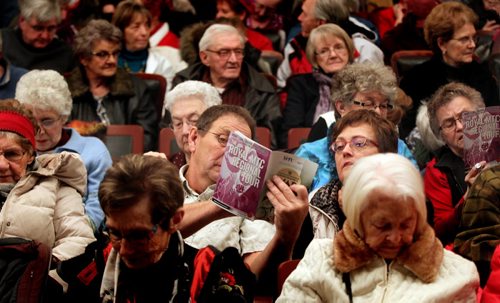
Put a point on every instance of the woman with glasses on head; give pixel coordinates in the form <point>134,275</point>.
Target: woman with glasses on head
<point>329,49</point>
<point>445,179</point>
<point>46,94</point>
<point>41,197</point>
<point>103,92</point>
<point>450,32</point>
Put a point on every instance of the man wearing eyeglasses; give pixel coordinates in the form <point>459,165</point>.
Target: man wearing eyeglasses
<point>222,65</point>
<point>262,245</point>
<point>34,44</point>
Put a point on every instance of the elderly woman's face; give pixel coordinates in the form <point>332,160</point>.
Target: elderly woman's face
<point>388,224</point>
<point>13,160</point>
<point>460,49</point>
<point>350,138</point>
<point>136,34</point>
<point>50,123</point>
<point>450,123</point>
<point>103,60</point>
<point>185,114</point>
<point>331,54</point>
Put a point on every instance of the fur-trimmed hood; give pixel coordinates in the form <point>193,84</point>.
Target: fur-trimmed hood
<point>423,257</point>
<point>120,85</point>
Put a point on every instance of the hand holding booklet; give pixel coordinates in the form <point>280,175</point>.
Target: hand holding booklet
<point>246,166</point>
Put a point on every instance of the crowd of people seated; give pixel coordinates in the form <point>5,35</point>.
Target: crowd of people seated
<point>394,212</point>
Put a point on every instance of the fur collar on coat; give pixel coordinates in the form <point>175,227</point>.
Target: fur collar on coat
<point>120,85</point>
<point>423,257</point>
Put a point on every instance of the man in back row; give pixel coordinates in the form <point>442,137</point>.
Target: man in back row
<point>34,44</point>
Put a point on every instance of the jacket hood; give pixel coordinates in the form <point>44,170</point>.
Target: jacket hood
<point>190,37</point>
<point>423,257</point>
<point>67,167</point>
<point>121,83</point>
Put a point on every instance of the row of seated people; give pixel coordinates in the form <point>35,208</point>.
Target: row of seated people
<point>379,230</point>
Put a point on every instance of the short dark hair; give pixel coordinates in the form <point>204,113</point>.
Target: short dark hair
<point>385,130</point>
<point>135,177</point>
<point>213,113</point>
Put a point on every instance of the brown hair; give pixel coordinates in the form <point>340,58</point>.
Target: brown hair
<point>385,131</point>
<point>135,177</point>
<point>125,12</point>
<point>213,113</point>
<point>321,33</point>
<point>444,20</point>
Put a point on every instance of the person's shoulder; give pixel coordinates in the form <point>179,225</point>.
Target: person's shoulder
<point>454,265</point>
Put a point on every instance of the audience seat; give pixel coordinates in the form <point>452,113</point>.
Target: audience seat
<point>297,136</point>
<point>158,86</point>
<point>124,139</point>
<point>263,136</point>
<point>404,60</point>
<point>167,143</point>
<point>284,270</point>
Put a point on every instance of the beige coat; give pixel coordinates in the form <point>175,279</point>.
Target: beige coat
<point>46,205</point>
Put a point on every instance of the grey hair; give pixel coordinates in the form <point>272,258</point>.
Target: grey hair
<point>447,93</point>
<point>215,30</point>
<point>331,11</point>
<point>321,33</point>
<point>41,10</point>
<point>364,77</point>
<point>389,173</point>
<point>193,89</point>
<point>45,90</point>
<point>429,140</point>
<point>94,31</point>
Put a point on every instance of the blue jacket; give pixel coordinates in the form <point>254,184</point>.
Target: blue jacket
<point>97,160</point>
<point>318,152</point>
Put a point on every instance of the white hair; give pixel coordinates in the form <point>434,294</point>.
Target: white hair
<point>427,136</point>
<point>215,30</point>
<point>41,10</point>
<point>389,173</point>
<point>45,90</point>
<point>193,89</point>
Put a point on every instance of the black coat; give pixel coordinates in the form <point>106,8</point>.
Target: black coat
<point>424,79</point>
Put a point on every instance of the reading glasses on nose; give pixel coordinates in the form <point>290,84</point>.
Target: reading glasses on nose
<point>12,155</point>
<point>357,143</point>
<point>104,55</point>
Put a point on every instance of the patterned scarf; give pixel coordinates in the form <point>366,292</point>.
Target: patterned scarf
<point>325,96</point>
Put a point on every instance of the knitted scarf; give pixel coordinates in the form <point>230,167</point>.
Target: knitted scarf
<point>325,84</point>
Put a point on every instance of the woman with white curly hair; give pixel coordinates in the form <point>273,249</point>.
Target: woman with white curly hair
<point>46,94</point>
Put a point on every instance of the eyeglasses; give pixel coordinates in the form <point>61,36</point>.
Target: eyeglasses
<point>467,40</point>
<point>225,53</point>
<point>373,106</point>
<point>178,124</point>
<point>48,123</point>
<point>104,55</point>
<point>221,138</point>
<point>13,155</point>
<point>41,28</point>
<point>325,52</point>
<point>357,143</point>
<point>136,237</point>
<point>450,124</point>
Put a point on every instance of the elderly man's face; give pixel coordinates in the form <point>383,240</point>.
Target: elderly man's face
<point>185,114</point>
<point>224,57</point>
<point>103,60</point>
<point>207,146</point>
<point>307,19</point>
<point>132,233</point>
<point>37,34</point>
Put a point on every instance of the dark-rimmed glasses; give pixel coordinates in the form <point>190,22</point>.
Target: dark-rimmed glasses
<point>225,53</point>
<point>357,143</point>
<point>373,106</point>
<point>450,124</point>
<point>104,55</point>
<point>135,237</point>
